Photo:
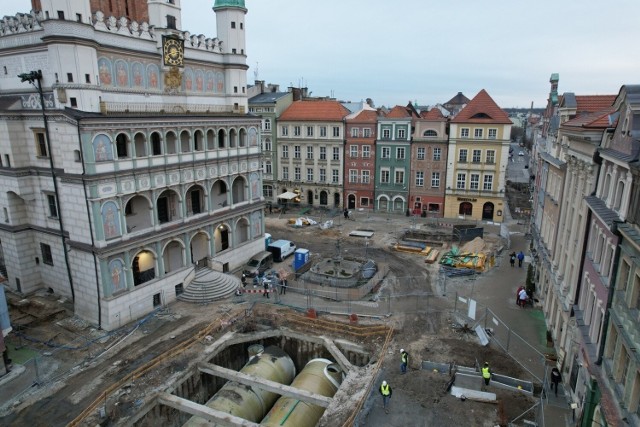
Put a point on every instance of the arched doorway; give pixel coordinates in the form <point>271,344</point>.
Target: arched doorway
<point>466,208</point>
<point>336,199</point>
<point>173,257</point>
<point>383,202</point>
<point>144,267</point>
<point>323,198</point>
<point>351,203</point>
<point>487,211</point>
<point>310,196</point>
<point>221,238</point>
<point>200,248</point>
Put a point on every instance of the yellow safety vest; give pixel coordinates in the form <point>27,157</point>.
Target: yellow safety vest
<point>486,372</point>
<point>404,357</point>
<point>385,390</point>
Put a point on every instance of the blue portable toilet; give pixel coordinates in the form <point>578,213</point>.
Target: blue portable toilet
<point>300,258</point>
<point>267,240</point>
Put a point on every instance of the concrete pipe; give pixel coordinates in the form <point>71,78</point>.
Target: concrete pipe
<point>252,403</point>
<point>320,376</point>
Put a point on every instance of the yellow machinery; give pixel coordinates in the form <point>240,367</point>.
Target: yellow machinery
<point>252,403</point>
<point>320,376</point>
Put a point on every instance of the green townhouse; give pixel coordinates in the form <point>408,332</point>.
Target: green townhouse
<point>393,166</point>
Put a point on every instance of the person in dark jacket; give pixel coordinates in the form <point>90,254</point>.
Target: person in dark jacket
<point>520,258</point>
<point>555,379</point>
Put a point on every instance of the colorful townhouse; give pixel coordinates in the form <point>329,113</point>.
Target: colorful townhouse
<point>428,164</point>
<point>360,158</point>
<point>268,102</point>
<point>478,153</point>
<point>310,150</point>
<point>393,155</point>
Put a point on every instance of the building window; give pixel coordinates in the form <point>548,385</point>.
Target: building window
<point>267,124</point>
<point>353,151</point>
<point>336,153</point>
<point>364,201</point>
<point>284,130</point>
<point>386,133</point>
<point>47,257</point>
<point>399,176</point>
<point>437,154</point>
<point>365,176</point>
<point>491,156</point>
<point>323,153</point>
<point>366,151</point>
<point>354,132</point>
<point>310,131</point>
<point>430,133</point>
<point>69,77</point>
<point>309,174</point>
<point>323,131</point>
<point>353,176</point>
<point>267,190</point>
<point>235,88</point>
<point>309,153</point>
<point>41,143</point>
<point>296,131</point>
<point>74,102</point>
<point>323,175</point>
<point>296,151</point>
<point>87,78</point>
<point>386,152</point>
<point>366,132</point>
<point>463,155</point>
<point>285,172</point>
<point>335,176</point>
<point>171,22</point>
<point>296,173</point>
<point>435,179</point>
<point>400,153</point>
<point>285,151</point>
<point>336,131</point>
<point>421,153</point>
<point>121,146</point>
<point>233,24</point>
<point>464,133</point>
<point>267,145</point>
<point>419,179</point>
<point>474,182</point>
<point>476,156</point>
<point>461,181</point>
<point>53,207</point>
<point>402,133</point>
<point>493,133</point>
<point>78,17</point>
<point>477,133</point>
<point>384,176</point>
<point>267,168</point>
<point>487,185</point>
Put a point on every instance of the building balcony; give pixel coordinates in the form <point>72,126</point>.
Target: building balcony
<point>590,348</point>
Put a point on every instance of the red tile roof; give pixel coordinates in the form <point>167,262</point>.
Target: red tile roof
<point>597,120</point>
<point>366,116</point>
<point>398,112</point>
<point>315,111</point>
<point>482,109</point>
<point>593,103</point>
<point>433,114</point>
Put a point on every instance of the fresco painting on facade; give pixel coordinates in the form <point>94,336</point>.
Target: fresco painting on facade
<point>153,76</point>
<point>253,137</point>
<point>110,222</point>
<point>219,82</point>
<point>102,148</point>
<point>138,75</point>
<point>122,73</point>
<point>199,81</point>
<point>105,73</point>
<point>187,77</point>
<point>118,279</point>
<point>255,186</point>
<point>210,78</point>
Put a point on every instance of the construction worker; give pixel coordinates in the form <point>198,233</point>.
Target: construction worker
<point>486,373</point>
<point>265,285</point>
<point>404,358</point>
<point>386,392</point>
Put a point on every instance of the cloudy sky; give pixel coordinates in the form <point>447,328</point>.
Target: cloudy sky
<point>428,50</point>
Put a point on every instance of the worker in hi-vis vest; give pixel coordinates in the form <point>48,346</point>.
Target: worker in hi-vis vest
<point>386,392</point>
<point>404,361</point>
<point>486,373</point>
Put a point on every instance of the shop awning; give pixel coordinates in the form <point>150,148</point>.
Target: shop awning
<point>288,196</point>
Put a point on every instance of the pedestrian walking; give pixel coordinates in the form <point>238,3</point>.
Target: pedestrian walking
<point>512,258</point>
<point>265,285</point>
<point>283,286</point>
<point>386,392</point>
<point>486,374</point>
<point>346,214</point>
<point>555,379</point>
<point>244,280</point>
<point>518,295</point>
<point>404,361</point>
<point>523,297</point>
<point>520,258</point>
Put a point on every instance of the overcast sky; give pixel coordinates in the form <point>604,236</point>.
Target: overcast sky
<point>427,50</point>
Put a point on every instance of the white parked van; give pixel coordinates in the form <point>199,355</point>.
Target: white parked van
<point>281,249</point>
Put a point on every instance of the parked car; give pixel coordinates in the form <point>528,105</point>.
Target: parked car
<point>521,153</point>
<point>258,264</point>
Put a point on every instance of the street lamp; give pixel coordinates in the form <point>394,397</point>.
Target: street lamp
<point>35,79</point>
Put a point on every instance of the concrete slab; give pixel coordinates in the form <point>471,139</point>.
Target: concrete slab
<point>358,233</point>
<point>212,415</point>
<point>472,394</point>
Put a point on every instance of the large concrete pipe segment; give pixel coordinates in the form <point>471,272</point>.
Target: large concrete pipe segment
<point>320,376</point>
<point>252,403</point>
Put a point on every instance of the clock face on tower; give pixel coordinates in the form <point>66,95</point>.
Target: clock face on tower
<point>173,52</point>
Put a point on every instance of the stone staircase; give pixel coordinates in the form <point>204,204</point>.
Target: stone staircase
<point>208,286</point>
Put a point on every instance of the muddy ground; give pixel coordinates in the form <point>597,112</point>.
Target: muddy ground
<point>419,397</point>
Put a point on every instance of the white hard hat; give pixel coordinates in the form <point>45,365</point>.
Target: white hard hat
<point>402,350</point>
<point>384,383</point>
